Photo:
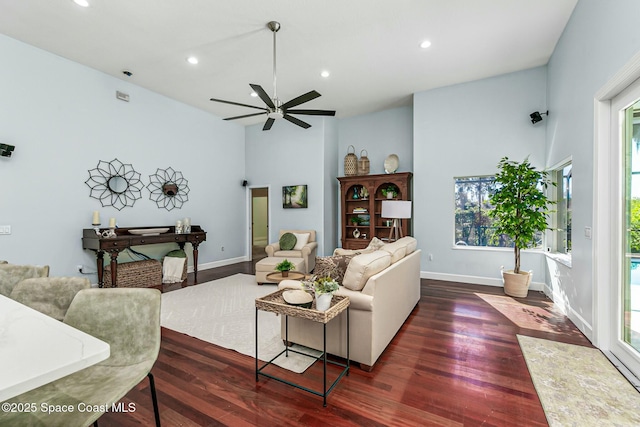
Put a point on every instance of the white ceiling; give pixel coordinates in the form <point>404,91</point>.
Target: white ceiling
<point>370,47</point>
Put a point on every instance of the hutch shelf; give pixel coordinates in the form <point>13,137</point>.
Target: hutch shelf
<point>361,199</point>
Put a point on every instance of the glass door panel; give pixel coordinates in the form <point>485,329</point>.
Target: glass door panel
<point>630,292</point>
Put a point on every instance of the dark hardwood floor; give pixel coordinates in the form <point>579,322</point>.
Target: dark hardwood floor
<point>455,362</point>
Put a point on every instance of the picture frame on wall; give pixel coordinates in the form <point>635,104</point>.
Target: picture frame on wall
<point>294,196</point>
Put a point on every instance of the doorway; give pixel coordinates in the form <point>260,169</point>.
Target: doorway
<point>259,200</point>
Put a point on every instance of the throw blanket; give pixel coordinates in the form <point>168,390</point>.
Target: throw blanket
<point>172,269</point>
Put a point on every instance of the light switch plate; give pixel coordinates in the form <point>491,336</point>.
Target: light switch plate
<point>5,229</point>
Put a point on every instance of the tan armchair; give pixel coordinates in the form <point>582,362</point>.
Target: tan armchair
<point>307,252</point>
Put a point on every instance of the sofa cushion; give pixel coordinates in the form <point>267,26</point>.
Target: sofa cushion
<point>287,241</point>
<point>332,266</point>
<point>397,250</point>
<point>363,266</point>
<point>410,242</point>
<point>301,240</point>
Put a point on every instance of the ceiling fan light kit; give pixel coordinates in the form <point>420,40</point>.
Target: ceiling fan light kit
<point>274,109</point>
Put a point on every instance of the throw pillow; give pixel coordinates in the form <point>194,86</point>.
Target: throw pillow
<point>301,240</point>
<point>364,266</point>
<point>332,266</point>
<point>177,253</point>
<point>375,244</point>
<point>287,241</point>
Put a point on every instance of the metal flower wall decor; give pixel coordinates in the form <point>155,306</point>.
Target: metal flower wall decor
<point>115,184</point>
<point>169,189</point>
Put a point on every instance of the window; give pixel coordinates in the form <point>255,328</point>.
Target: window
<point>473,227</point>
<point>561,242</point>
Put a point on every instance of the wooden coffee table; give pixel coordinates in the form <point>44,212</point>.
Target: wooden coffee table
<point>277,277</point>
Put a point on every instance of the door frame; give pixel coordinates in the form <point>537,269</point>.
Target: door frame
<point>249,219</point>
<point>606,249</point>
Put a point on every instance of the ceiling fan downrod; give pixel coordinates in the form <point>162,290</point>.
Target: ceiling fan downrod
<point>274,26</point>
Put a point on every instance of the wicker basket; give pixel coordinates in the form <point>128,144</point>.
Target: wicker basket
<point>351,162</point>
<point>363,163</point>
<point>136,274</point>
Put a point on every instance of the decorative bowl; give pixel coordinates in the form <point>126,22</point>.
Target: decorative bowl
<point>149,231</point>
<point>298,298</point>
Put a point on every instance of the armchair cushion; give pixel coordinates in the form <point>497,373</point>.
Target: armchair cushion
<point>301,240</point>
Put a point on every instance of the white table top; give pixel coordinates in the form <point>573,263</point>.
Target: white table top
<point>36,349</point>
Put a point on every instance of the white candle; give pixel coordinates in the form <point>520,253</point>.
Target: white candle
<point>112,223</point>
<point>96,218</point>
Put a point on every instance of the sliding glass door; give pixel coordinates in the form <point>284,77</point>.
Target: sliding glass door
<point>625,326</point>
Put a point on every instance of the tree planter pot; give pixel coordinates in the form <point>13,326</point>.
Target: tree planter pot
<point>516,285</point>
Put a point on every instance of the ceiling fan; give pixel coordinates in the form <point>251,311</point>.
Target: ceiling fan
<point>275,109</point>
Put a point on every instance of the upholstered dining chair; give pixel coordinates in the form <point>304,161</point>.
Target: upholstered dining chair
<point>12,274</point>
<point>126,318</point>
<point>49,295</point>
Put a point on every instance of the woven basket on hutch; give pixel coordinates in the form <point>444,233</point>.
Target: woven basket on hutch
<point>363,163</point>
<point>351,162</point>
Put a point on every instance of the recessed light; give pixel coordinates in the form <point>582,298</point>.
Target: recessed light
<point>425,44</point>
<point>83,3</point>
<point>192,60</point>
<point>255,95</point>
<point>325,74</point>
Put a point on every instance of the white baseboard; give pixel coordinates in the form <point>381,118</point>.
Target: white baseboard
<point>476,280</point>
<point>220,263</point>
<point>585,327</point>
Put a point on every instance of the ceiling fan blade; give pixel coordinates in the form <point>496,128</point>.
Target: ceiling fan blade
<point>296,121</point>
<point>246,115</point>
<point>237,103</point>
<point>268,124</point>
<point>313,112</point>
<point>263,95</point>
<point>301,99</point>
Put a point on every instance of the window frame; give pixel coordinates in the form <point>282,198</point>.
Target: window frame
<point>556,194</point>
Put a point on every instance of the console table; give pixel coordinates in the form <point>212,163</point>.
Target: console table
<point>125,239</point>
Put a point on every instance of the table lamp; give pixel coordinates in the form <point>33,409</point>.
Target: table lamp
<point>396,210</point>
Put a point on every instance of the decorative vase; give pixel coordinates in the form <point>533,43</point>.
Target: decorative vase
<point>356,233</point>
<point>323,301</point>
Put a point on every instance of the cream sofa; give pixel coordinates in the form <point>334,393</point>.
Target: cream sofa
<point>377,311</point>
<point>307,251</point>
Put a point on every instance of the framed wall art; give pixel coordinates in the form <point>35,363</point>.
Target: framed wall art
<point>294,196</point>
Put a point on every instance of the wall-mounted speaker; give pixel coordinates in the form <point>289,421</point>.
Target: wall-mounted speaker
<point>244,182</point>
<point>6,150</point>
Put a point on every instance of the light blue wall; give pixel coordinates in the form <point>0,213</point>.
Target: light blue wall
<point>63,118</point>
<point>464,130</point>
<point>598,40</point>
<point>290,155</point>
<point>380,134</point>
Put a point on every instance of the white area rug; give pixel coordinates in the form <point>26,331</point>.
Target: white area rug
<point>223,311</point>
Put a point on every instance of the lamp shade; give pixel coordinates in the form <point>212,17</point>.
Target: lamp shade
<point>396,209</point>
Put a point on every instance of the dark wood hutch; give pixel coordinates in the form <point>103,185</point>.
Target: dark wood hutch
<point>361,197</point>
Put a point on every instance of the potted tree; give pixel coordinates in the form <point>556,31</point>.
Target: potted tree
<point>284,267</point>
<point>520,212</point>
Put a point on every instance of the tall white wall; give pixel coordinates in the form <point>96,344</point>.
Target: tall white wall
<point>290,155</point>
<point>464,130</point>
<point>598,40</point>
<point>63,118</point>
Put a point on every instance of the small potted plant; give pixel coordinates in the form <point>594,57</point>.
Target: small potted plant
<point>324,288</point>
<point>284,267</point>
<point>520,212</point>
<point>390,191</point>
